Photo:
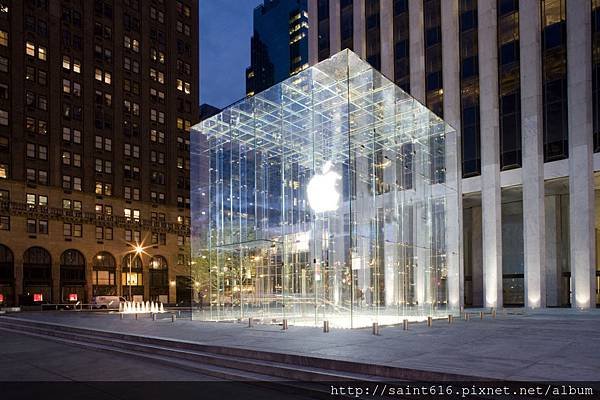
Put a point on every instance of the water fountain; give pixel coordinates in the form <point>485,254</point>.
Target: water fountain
<point>141,307</point>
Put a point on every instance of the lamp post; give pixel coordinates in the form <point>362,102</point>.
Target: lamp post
<point>137,250</point>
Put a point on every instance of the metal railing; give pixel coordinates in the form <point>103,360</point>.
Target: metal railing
<point>91,218</point>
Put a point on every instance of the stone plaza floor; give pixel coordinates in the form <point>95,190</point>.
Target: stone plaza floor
<point>549,345</point>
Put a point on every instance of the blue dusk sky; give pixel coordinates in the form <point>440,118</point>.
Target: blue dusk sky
<point>225,32</point>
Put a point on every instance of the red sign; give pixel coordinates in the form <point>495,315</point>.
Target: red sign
<point>72,296</point>
<point>1,298</point>
<point>37,297</point>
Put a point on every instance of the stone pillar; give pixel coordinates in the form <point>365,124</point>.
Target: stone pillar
<point>359,36</point>
<point>313,33</point>
<point>532,136</point>
<point>581,175</point>
<point>387,38</point>
<point>490,160</point>
<point>417,49</point>
<point>335,39</point>
<point>454,210</point>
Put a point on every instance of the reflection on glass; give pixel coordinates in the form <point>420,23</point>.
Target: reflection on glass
<point>322,200</point>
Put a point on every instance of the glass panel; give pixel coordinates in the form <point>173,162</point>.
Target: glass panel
<point>323,201</point>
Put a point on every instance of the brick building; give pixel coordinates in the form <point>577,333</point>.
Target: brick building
<point>96,101</point>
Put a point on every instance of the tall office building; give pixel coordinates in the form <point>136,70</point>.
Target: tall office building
<point>279,46</point>
<point>519,80</point>
<point>96,102</point>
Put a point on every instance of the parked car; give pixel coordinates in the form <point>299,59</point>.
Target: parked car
<point>107,302</point>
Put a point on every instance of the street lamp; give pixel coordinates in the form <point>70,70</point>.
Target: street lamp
<point>137,250</point>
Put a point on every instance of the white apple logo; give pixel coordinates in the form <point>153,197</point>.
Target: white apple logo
<point>322,190</point>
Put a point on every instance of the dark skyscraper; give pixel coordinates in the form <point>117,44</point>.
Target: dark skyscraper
<point>97,100</point>
<point>279,43</point>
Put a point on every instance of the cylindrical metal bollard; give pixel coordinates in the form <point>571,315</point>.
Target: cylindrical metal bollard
<point>493,313</point>
<point>250,322</point>
<point>467,316</point>
<point>450,318</point>
<point>405,325</point>
<point>480,314</point>
<point>121,315</point>
<point>429,321</point>
<point>153,317</point>
<point>375,329</point>
<point>284,325</point>
<point>173,317</point>
<point>325,326</point>
<point>136,316</point>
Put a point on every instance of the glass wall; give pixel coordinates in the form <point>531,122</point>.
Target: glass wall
<point>322,203</point>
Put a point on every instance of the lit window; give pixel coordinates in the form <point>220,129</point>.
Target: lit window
<point>30,49</point>
<point>42,53</point>
<point>3,38</point>
<point>66,62</point>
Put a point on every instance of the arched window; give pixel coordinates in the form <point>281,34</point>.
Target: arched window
<point>37,266</point>
<point>72,267</point>
<point>137,263</point>
<point>37,256</point>
<point>158,263</point>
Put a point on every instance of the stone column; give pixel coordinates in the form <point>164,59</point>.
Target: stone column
<point>490,160</point>
<point>359,35</point>
<point>335,40</point>
<point>581,175</point>
<point>532,136</point>
<point>387,38</point>
<point>313,33</point>
<point>417,49</point>
<point>454,209</point>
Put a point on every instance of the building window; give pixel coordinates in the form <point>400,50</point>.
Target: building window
<point>433,56</point>
<point>509,84</point>
<point>4,223</point>
<point>401,45</point>
<point>3,38</point>
<point>373,33</point>
<point>596,72</point>
<point>469,87</point>
<point>554,79</point>
<point>3,117</point>
<point>323,28</point>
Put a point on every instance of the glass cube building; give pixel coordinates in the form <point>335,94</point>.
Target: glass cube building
<point>328,197</point>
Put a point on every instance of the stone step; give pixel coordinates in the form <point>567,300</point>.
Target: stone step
<point>274,370</point>
<point>283,365</point>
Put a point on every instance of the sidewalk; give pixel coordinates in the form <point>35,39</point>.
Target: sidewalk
<point>548,345</point>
